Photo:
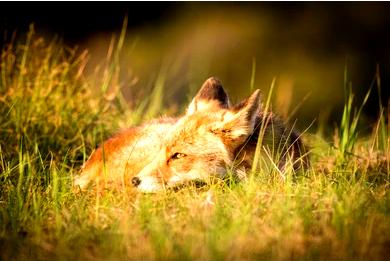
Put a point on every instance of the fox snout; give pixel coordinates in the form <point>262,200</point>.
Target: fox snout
<point>150,179</point>
<point>148,184</point>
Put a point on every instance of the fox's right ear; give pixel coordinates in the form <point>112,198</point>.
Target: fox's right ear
<point>211,96</point>
<point>236,125</point>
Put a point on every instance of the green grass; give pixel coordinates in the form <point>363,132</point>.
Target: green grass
<point>53,116</point>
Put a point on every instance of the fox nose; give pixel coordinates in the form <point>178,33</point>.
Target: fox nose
<point>135,181</point>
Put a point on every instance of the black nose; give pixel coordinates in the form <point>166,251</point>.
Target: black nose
<point>136,181</point>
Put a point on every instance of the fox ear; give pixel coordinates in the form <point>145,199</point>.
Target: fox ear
<point>210,96</point>
<point>235,126</point>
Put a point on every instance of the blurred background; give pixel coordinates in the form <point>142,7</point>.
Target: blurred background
<point>305,47</point>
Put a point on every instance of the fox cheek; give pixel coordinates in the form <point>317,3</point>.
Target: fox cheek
<point>178,169</point>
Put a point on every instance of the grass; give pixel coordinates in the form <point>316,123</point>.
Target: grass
<point>54,116</point>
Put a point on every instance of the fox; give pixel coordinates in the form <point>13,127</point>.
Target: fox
<point>211,138</point>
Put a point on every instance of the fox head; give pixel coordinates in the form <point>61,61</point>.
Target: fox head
<point>202,143</point>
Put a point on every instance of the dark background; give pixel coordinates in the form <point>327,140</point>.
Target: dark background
<point>361,28</point>
<point>76,21</point>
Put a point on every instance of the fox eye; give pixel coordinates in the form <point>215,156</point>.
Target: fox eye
<point>178,155</point>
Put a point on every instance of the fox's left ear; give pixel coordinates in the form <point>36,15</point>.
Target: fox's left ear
<point>236,126</point>
<point>211,96</point>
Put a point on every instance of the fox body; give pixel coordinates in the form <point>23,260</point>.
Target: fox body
<point>210,138</point>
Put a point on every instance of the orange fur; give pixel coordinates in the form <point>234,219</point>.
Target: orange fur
<point>200,145</point>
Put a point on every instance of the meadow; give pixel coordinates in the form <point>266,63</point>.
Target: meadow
<point>53,114</point>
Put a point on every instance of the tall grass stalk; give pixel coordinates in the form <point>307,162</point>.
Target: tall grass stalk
<point>383,137</point>
<point>349,122</point>
<point>262,130</point>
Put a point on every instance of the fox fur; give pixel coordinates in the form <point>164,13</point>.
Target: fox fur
<point>210,138</point>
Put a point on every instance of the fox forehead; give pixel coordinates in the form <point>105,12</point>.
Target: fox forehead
<point>193,131</point>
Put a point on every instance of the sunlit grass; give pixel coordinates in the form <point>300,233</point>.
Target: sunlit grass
<point>54,116</point>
